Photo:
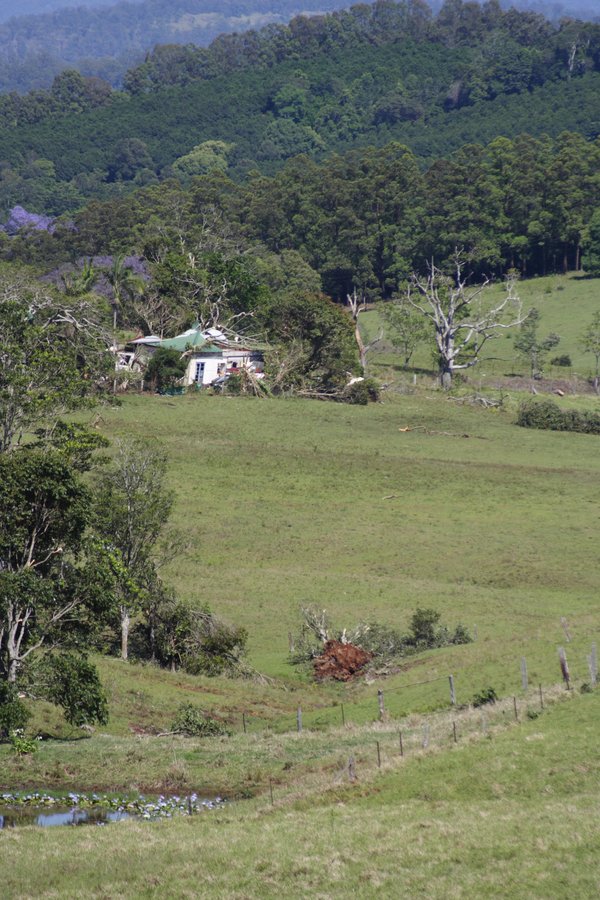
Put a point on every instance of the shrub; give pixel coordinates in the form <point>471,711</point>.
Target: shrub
<point>13,713</point>
<point>423,627</point>
<point>381,641</point>
<point>74,685</point>
<point>361,392</point>
<point>546,414</point>
<point>487,695</point>
<point>194,722</point>
<point>461,635</point>
<point>165,369</point>
<point>22,745</point>
<point>233,385</point>
<point>564,360</point>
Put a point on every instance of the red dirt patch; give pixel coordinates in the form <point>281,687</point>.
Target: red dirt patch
<point>340,661</point>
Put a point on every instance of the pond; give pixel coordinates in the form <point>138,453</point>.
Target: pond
<point>47,810</point>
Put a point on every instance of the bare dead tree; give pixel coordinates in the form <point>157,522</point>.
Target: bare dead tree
<point>462,320</point>
<point>358,305</point>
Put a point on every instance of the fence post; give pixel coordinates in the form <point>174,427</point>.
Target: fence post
<point>425,736</point>
<point>271,789</point>
<point>541,698</point>
<point>564,668</point>
<point>244,721</point>
<point>454,732</point>
<point>381,705</point>
<point>343,715</point>
<point>594,672</point>
<point>524,679</point>
<point>299,718</point>
<point>351,772</point>
<point>401,744</point>
<point>378,755</point>
<point>452,691</point>
<point>516,710</point>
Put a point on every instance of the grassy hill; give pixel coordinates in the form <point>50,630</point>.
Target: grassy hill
<point>287,502</point>
<point>514,815</point>
<point>566,304</point>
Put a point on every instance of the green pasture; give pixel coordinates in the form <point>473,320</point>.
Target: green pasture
<point>283,503</point>
<point>512,815</point>
<point>288,503</point>
<point>421,500</point>
<point>567,304</point>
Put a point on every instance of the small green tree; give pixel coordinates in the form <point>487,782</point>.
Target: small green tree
<point>13,713</point>
<point>165,369</point>
<point>406,327</point>
<point>52,357</point>
<point>531,347</point>
<point>132,509</point>
<point>73,684</point>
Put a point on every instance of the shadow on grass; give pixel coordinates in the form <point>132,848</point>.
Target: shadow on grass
<point>71,737</point>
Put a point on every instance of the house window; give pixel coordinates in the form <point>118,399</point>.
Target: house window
<point>199,377</point>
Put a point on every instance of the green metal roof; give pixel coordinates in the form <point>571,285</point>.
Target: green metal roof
<point>193,338</point>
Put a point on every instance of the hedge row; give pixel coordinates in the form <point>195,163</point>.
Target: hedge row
<point>546,414</point>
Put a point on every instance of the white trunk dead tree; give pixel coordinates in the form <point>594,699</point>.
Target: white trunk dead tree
<point>462,320</point>
<point>358,305</point>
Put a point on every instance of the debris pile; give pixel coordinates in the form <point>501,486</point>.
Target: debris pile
<point>340,661</point>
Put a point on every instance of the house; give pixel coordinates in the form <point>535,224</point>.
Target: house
<point>210,354</point>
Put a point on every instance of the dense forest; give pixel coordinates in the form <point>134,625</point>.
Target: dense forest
<point>249,102</point>
<point>368,217</point>
<point>103,37</point>
<point>103,40</point>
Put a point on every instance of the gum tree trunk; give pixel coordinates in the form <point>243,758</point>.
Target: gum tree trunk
<point>125,622</point>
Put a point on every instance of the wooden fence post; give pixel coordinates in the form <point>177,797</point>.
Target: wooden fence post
<point>564,668</point>
<point>271,789</point>
<point>516,710</point>
<point>378,755</point>
<point>452,691</point>
<point>524,679</point>
<point>351,771</point>
<point>299,718</point>
<point>541,698</point>
<point>425,736</point>
<point>401,744</point>
<point>565,627</point>
<point>244,722</point>
<point>454,732</point>
<point>343,715</point>
<point>594,672</point>
<point>381,705</point>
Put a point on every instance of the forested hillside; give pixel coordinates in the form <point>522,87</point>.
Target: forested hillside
<point>103,38</point>
<point>247,103</point>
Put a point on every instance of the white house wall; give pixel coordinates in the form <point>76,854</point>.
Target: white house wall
<point>211,370</point>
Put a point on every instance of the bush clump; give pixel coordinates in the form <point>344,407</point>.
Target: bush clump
<point>546,414</point>
<point>487,695</point>
<point>362,392</point>
<point>14,715</point>
<point>383,643</point>
<point>194,722</point>
<point>563,360</point>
